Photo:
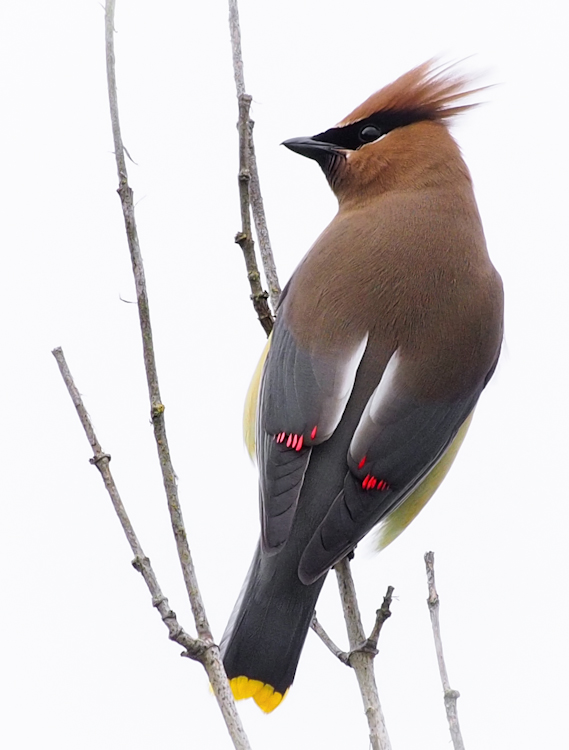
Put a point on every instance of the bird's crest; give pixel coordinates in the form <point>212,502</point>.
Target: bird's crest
<point>430,91</point>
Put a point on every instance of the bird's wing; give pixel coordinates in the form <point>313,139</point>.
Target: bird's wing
<point>398,441</point>
<point>302,397</point>
<point>397,520</point>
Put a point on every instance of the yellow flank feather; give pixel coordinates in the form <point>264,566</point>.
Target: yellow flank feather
<point>251,400</point>
<point>398,521</point>
<point>263,695</point>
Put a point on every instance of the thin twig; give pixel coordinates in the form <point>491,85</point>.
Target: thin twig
<point>343,656</point>
<point>195,648</point>
<point>381,615</point>
<point>262,229</point>
<point>235,32</point>
<point>450,696</point>
<point>212,660</point>
<point>361,658</point>
<point>250,191</point>
<point>156,406</point>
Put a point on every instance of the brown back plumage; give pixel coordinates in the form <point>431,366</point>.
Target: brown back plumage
<point>430,91</point>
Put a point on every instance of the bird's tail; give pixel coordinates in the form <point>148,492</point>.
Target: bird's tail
<point>266,632</point>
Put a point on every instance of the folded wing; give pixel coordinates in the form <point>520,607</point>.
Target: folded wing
<point>399,440</point>
<point>303,394</point>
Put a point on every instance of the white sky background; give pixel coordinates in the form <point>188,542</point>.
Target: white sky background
<point>85,660</point>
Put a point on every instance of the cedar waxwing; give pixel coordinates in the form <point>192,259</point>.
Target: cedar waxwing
<point>385,337</point>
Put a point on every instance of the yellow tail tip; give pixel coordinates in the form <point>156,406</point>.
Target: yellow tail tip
<point>264,695</point>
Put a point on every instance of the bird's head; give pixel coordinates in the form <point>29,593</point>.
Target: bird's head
<point>397,139</point>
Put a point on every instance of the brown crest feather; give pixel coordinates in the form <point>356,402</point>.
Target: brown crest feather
<point>428,92</point>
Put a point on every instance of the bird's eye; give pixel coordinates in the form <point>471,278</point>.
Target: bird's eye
<point>370,133</point>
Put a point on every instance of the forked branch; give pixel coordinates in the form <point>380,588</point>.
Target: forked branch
<point>250,192</point>
<point>206,652</point>
<point>195,648</point>
<point>368,646</point>
<point>244,238</point>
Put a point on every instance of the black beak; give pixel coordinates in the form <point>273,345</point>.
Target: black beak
<point>329,156</point>
<point>313,149</point>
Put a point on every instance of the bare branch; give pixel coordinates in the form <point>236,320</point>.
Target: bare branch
<point>195,648</point>
<point>156,406</point>
<point>249,185</point>
<point>262,229</point>
<point>381,615</point>
<point>244,238</point>
<point>206,652</point>
<point>212,660</point>
<point>235,31</point>
<point>450,696</point>
<point>328,642</point>
<point>222,691</point>
<point>361,658</point>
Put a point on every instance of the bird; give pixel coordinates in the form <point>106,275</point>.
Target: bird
<point>385,336</point>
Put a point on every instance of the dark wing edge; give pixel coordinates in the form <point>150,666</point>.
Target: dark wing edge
<point>302,397</point>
